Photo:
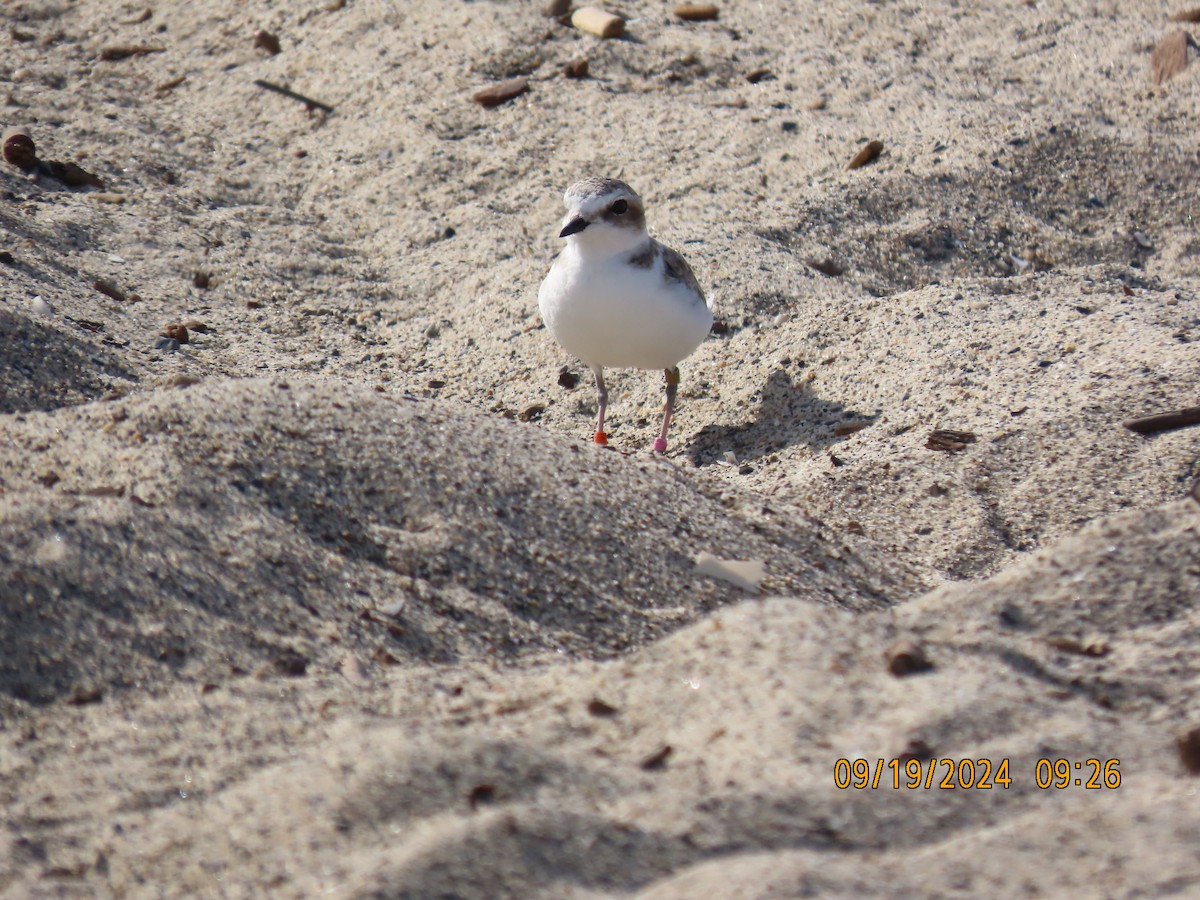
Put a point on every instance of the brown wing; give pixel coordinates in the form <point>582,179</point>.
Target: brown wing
<point>676,269</point>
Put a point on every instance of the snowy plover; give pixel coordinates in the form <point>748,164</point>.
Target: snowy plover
<point>615,297</point>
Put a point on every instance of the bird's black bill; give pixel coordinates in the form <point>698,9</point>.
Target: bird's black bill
<point>575,226</point>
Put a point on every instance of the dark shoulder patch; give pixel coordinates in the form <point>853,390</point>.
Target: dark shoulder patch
<point>644,258</point>
<point>676,269</point>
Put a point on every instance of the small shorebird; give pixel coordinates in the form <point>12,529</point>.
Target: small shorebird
<point>615,297</point>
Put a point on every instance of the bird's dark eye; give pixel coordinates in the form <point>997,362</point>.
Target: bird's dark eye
<point>620,208</point>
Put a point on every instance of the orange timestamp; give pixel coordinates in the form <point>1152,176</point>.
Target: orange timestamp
<point>927,774</point>
<point>972,774</point>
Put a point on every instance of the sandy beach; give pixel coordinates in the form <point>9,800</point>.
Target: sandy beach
<point>313,583</point>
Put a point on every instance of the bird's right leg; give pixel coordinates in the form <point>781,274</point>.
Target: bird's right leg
<point>601,405</point>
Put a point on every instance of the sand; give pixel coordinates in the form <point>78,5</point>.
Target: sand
<point>338,598</point>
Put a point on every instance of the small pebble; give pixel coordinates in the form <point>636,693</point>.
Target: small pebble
<point>394,608</point>
<point>556,9</point>
<point>747,574</point>
<point>176,332</point>
<point>657,759</point>
<point>577,68</point>
<point>1188,744</point>
<point>907,657</point>
<point>166,343</point>
<point>291,663</point>
<point>18,147</point>
<point>481,795</point>
<point>916,748</point>
<point>264,40</point>
<point>39,306</point>
<point>601,710</point>
<point>85,694</point>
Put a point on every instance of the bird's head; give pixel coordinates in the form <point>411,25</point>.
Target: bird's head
<point>604,217</point>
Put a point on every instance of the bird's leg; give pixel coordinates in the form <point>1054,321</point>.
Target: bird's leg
<point>601,405</point>
<point>672,379</point>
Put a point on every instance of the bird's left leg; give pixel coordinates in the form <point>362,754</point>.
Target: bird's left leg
<point>672,379</point>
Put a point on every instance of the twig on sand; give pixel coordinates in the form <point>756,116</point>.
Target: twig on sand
<point>307,101</point>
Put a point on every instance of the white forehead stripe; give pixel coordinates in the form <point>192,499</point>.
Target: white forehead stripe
<point>590,195</point>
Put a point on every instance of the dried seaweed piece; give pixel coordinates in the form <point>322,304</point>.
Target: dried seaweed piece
<point>1170,57</point>
<point>865,155</point>
<point>657,759</point>
<point>1164,421</point>
<point>949,441</point>
<point>168,86</point>
<point>496,94</point>
<point>826,267</point>
<point>70,174</point>
<point>118,53</point>
<point>1187,15</point>
<point>532,413</point>
<point>842,429</point>
<point>1092,645</point>
<point>109,289</point>
<point>697,12</point>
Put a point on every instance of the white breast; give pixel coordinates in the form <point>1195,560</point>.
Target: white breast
<point>612,314</point>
